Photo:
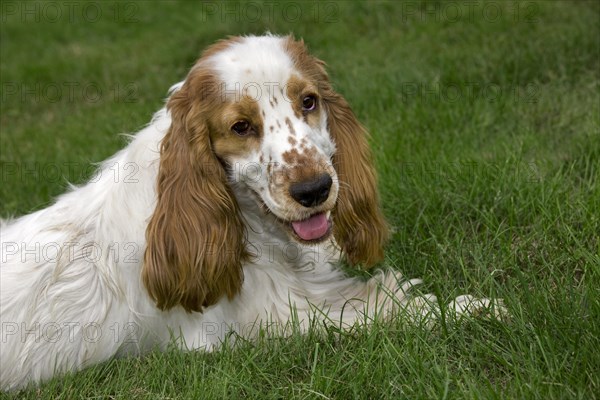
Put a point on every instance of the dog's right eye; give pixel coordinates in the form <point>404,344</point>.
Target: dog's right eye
<point>309,103</point>
<point>242,128</point>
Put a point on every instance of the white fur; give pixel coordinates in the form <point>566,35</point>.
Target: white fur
<point>71,293</point>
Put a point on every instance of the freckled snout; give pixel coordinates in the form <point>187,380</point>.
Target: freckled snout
<point>313,192</point>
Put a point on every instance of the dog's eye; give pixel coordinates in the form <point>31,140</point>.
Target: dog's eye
<point>309,103</point>
<point>242,128</point>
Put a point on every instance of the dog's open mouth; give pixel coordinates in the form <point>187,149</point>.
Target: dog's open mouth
<point>313,229</point>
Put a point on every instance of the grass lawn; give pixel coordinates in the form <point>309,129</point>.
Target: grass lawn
<point>485,122</point>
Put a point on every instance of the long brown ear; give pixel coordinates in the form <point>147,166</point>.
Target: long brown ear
<point>195,238</point>
<point>360,228</point>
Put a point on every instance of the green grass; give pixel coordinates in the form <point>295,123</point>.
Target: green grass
<point>486,135</point>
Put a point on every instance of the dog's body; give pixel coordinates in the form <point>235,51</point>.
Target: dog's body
<point>168,241</point>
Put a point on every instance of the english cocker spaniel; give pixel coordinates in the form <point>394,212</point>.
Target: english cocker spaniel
<point>244,194</point>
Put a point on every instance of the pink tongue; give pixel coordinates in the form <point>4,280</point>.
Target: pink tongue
<point>312,228</point>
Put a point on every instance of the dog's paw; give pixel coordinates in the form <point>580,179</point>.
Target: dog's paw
<point>479,308</point>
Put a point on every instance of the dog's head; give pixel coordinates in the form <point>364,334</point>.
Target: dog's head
<point>258,112</point>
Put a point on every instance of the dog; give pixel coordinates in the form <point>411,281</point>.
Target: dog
<point>247,191</point>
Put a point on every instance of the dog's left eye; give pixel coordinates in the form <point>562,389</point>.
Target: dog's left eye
<point>309,103</point>
<point>242,128</point>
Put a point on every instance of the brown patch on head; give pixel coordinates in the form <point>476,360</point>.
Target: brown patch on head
<point>227,143</point>
<point>310,67</point>
<point>292,140</point>
<point>297,89</point>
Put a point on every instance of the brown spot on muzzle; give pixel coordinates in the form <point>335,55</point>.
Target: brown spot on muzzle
<point>290,126</point>
<point>305,165</point>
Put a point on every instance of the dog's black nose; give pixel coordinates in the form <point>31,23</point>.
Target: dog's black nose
<point>313,192</point>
